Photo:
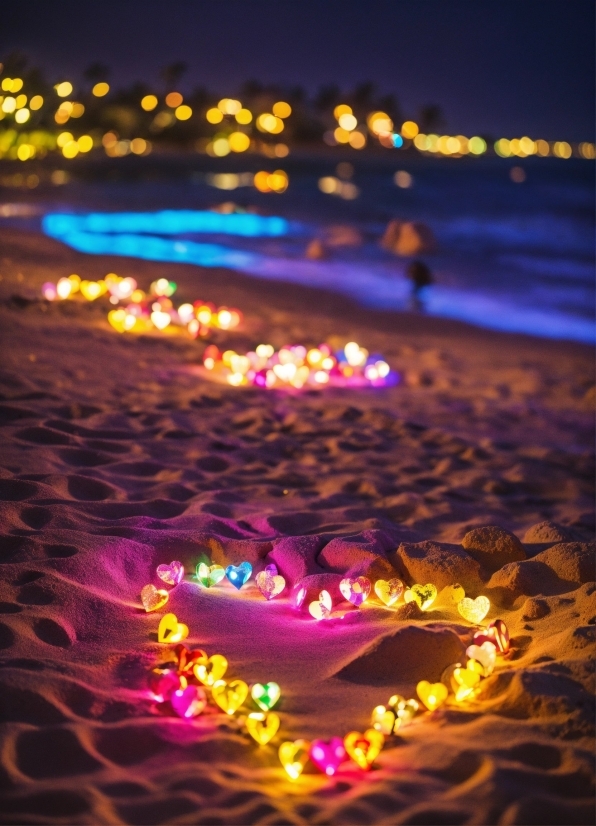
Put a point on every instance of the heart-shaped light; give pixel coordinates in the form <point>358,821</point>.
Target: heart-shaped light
<point>298,596</point>
<point>321,609</point>
<point>432,695</point>
<point>153,599</point>
<point>209,575</point>
<point>163,682</point>
<point>239,574</point>
<point>474,610</point>
<point>229,696</point>
<point>327,756</point>
<point>452,594</point>
<point>186,660</point>
<point>384,720</point>
<point>265,696</point>
<point>485,654</point>
<point>171,574</point>
<point>364,748</point>
<point>496,633</point>
<point>269,582</point>
<point>422,595</point>
<point>189,701</point>
<point>262,727</point>
<point>465,680</point>
<point>90,290</point>
<point>209,670</point>
<point>389,590</point>
<point>294,756</point>
<point>355,589</point>
<point>405,710</point>
<point>170,630</point>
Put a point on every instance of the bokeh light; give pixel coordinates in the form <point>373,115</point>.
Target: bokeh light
<point>63,89</point>
<point>100,90</point>
<point>148,103</point>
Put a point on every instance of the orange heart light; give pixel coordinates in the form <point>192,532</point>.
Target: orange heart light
<point>474,610</point>
<point>170,630</point>
<point>263,726</point>
<point>422,595</point>
<point>152,598</point>
<point>364,748</point>
<point>229,696</point>
<point>209,670</point>
<point>389,590</point>
<point>294,756</point>
<point>322,608</point>
<point>432,695</point>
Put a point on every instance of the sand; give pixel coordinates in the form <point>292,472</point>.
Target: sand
<point>117,456</point>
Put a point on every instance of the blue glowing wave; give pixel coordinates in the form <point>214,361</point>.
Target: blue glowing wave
<point>167,222</point>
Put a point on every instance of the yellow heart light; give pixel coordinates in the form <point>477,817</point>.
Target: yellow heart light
<point>91,290</point>
<point>474,610</point>
<point>209,670</point>
<point>384,720</point>
<point>422,595</point>
<point>452,594</point>
<point>294,756</point>
<point>465,680</point>
<point>389,591</point>
<point>153,599</point>
<point>262,726</point>
<point>321,609</point>
<point>405,710</point>
<point>229,696</point>
<point>432,695</point>
<point>170,630</point>
<point>364,748</point>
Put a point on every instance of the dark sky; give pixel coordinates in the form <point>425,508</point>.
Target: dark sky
<point>503,67</point>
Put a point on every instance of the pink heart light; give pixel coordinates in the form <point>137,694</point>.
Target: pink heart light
<point>188,702</point>
<point>171,574</point>
<point>355,589</point>
<point>162,684</point>
<point>497,633</point>
<point>269,582</point>
<point>328,756</point>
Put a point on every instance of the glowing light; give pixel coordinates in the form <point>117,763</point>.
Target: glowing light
<point>262,727</point>
<point>139,146</point>
<point>406,710</point>
<point>474,610</point>
<point>502,148</point>
<point>265,696</point>
<point>214,115</point>
<point>379,123</point>
<point>355,589</point>
<point>342,109</point>
<point>389,591</point>
<point>328,756</point>
<point>294,756</point>
<point>170,630</point>
<point>239,574</point>
<point>171,574</point>
<point>364,748</point>
<point>409,129</point>
<point>92,289</point>
<point>432,695</point>
<point>269,582</point>
<point>221,147</point>
<point>517,174</point>
<point>477,145</point>
<point>64,89</point>
<point>49,291</point>
<point>161,319</point>
<point>153,599</point>
<point>64,287</point>
<point>269,123</point>
<point>229,696</point>
<point>357,140</point>
<point>586,150</point>
<point>85,143</point>
<point>208,670</point>
<point>384,720</point>
<point>229,106</point>
<point>183,112</point>
<point>239,142</point>
<point>281,109</point>
<point>496,633</point>
<point>243,116</point>
<point>148,103</point>
<point>209,575</point>
<point>485,654</point>
<point>321,608</point>
<point>162,684</point>
<point>347,122</point>
<point>22,116</point>
<point>174,99</point>
<point>188,702</point>
<point>465,680</point>
<point>9,104</point>
<point>36,103</point>
<point>422,595</point>
<point>341,135</point>
<point>101,89</point>
<point>562,149</point>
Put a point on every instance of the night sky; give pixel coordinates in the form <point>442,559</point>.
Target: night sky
<point>504,68</point>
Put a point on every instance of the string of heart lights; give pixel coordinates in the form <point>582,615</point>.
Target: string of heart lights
<point>188,680</point>
<point>143,312</point>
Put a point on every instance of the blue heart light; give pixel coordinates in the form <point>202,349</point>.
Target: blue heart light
<point>239,574</point>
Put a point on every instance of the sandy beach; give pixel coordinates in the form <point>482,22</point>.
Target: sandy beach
<point>119,455</point>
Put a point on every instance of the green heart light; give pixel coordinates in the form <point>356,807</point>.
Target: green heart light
<point>209,575</point>
<point>265,696</point>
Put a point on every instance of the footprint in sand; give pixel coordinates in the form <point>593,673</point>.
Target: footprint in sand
<point>50,632</point>
<point>7,637</point>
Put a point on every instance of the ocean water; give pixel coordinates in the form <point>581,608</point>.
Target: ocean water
<point>510,256</point>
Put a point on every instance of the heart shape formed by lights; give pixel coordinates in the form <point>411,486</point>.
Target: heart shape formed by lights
<point>422,595</point>
<point>163,682</point>
<point>209,575</point>
<point>355,589</point>
<point>465,680</point>
<point>485,654</point>
<point>269,582</point>
<point>432,695</point>
<point>293,755</point>
<point>496,633</point>
<point>328,756</point>
<point>265,696</point>
<point>321,609</point>
<point>239,574</point>
<point>262,727</point>
<point>186,660</point>
<point>229,696</point>
<point>189,701</point>
<point>209,670</point>
<point>171,574</point>
<point>474,610</point>
<point>364,748</point>
<point>389,590</point>
<point>384,720</point>
<point>170,630</point>
<point>405,709</point>
<point>153,599</point>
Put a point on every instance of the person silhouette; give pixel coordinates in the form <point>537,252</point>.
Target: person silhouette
<point>421,277</point>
